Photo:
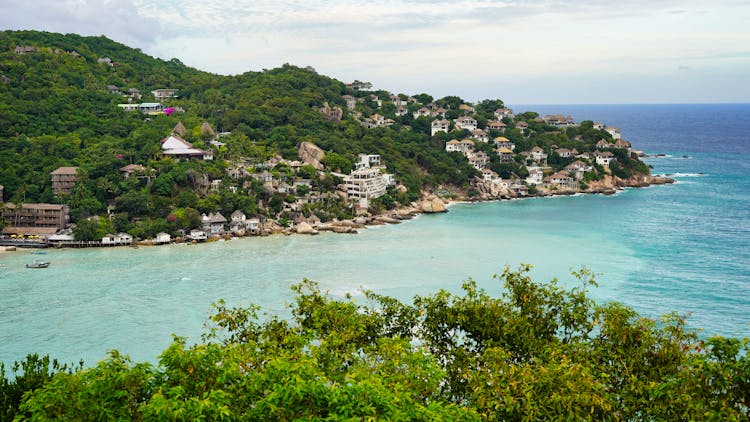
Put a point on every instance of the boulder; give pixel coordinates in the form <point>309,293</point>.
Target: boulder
<point>311,154</point>
<point>304,228</point>
<point>433,205</point>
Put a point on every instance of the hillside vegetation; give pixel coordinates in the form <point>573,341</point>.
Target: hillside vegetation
<point>59,99</point>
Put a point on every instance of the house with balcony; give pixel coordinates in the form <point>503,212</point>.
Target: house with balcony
<point>439,126</point>
<point>465,122</point>
<point>40,219</point>
<point>463,146</point>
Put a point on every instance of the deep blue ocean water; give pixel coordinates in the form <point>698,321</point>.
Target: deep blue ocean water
<point>683,247</point>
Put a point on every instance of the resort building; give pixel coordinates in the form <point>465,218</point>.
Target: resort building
<point>63,180</point>
<point>40,219</point>
<point>363,184</point>
<point>178,148</point>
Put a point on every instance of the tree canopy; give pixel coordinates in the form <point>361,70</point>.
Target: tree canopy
<point>534,351</point>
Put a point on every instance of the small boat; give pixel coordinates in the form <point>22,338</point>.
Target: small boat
<point>38,252</point>
<point>38,264</point>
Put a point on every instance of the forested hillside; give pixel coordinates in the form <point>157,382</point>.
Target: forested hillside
<point>59,97</point>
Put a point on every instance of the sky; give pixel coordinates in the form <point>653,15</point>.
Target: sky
<point>520,51</point>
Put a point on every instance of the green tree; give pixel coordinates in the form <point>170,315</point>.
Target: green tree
<point>87,230</point>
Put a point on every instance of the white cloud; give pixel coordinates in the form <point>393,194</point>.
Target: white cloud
<point>440,47</point>
<point>119,20</point>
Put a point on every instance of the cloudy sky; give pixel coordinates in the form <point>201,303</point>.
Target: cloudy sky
<point>521,51</point>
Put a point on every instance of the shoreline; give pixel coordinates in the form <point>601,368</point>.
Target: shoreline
<point>428,204</point>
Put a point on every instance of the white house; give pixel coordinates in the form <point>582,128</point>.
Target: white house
<point>466,122</point>
<point>538,154</point>
<point>503,142</point>
<point>163,94</point>
<point>197,235</point>
<point>367,161</point>
<point>496,125</point>
<point>615,132</point>
<point>463,146</point>
<point>535,175</point>
<point>578,168</point>
<point>117,239</point>
<point>439,126</point>
<point>504,112</point>
<point>480,135</point>
<point>564,152</point>
<point>252,225</point>
<point>178,148</point>
<point>162,238</point>
<point>422,112</point>
<point>489,175</point>
<point>603,158</point>
<point>560,179</point>
<point>479,159</point>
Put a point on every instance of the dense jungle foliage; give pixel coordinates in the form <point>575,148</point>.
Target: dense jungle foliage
<point>531,351</point>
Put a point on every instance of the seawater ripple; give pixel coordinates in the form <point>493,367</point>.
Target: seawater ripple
<point>682,247</point>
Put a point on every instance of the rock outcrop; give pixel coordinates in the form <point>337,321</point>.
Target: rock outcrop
<point>304,228</point>
<point>311,154</point>
<point>431,204</point>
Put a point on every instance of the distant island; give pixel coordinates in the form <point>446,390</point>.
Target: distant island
<point>103,145</point>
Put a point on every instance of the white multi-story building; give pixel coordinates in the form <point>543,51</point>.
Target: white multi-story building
<point>466,122</point>
<point>535,175</point>
<point>363,184</point>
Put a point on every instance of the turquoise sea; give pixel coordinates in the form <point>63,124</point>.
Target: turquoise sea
<point>683,247</point>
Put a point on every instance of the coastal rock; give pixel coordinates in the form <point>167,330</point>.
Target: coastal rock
<point>386,219</point>
<point>344,229</point>
<point>433,205</point>
<point>311,154</point>
<point>304,228</point>
<point>360,220</point>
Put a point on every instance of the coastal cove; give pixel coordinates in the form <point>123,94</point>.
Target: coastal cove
<point>681,247</point>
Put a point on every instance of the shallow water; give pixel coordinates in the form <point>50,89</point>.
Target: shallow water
<point>683,247</point>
